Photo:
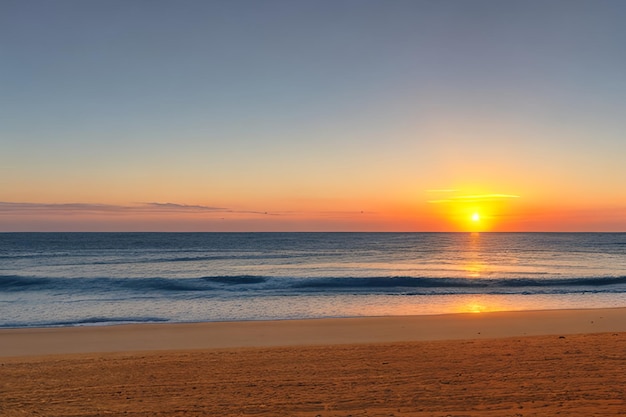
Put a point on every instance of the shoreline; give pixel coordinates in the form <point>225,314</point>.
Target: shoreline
<point>25,342</point>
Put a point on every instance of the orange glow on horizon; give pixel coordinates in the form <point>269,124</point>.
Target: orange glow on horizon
<point>471,212</point>
<point>436,210</point>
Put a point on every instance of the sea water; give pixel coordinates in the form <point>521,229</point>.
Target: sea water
<point>67,279</point>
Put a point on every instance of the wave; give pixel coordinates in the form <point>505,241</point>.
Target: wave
<point>117,259</point>
<point>11,283</point>
<point>260,285</point>
<point>16,282</point>
<point>237,280</point>
<point>89,321</point>
<point>417,282</point>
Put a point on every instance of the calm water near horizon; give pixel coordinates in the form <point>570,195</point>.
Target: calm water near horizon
<point>65,279</point>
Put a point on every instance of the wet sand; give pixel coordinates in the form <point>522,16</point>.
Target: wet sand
<point>497,364</point>
<point>144,337</point>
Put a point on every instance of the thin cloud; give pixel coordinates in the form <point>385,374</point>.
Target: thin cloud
<point>182,207</point>
<point>23,208</point>
<point>190,208</point>
<point>475,198</point>
<point>440,201</point>
<point>6,207</point>
<point>485,197</point>
<point>442,191</point>
<point>87,208</point>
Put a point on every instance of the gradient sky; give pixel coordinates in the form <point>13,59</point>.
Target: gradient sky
<point>312,115</point>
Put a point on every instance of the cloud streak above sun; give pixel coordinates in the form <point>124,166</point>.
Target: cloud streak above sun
<point>475,198</point>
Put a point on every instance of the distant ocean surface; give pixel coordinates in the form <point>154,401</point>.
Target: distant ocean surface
<point>69,279</point>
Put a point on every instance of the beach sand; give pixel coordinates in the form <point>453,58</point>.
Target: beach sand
<point>546,363</point>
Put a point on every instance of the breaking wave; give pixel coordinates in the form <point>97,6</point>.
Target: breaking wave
<point>259,285</point>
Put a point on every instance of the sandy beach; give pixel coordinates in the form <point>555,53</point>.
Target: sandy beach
<point>568,362</point>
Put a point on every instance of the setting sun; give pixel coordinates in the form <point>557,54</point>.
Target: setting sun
<point>472,211</point>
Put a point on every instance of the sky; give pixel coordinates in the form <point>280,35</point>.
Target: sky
<point>326,115</point>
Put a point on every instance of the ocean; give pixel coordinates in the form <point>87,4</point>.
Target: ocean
<point>73,279</point>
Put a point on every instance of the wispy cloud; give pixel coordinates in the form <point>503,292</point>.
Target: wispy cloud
<point>173,207</point>
<point>190,208</point>
<point>445,190</point>
<point>475,198</point>
<point>34,209</point>
<point>485,197</point>
<point>88,208</point>
<point>6,207</point>
<point>10,208</point>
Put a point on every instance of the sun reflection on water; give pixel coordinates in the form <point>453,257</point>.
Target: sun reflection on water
<point>481,305</point>
<point>474,307</point>
<point>474,265</point>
